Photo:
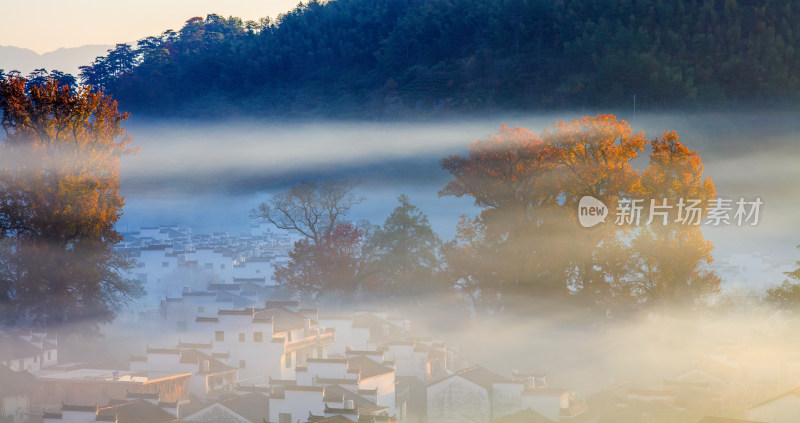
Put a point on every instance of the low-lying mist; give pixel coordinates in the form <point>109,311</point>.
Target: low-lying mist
<point>210,175</point>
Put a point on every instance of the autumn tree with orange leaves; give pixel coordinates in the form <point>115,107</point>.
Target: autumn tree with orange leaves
<point>59,201</point>
<point>527,243</point>
<point>672,255</point>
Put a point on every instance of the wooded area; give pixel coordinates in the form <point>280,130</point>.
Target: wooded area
<point>384,58</point>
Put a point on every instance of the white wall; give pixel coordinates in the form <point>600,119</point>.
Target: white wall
<point>385,385</point>
<point>346,335</point>
<point>455,399</point>
<point>407,361</point>
<point>16,406</point>
<point>548,403</point>
<point>506,398</point>
<point>327,369</point>
<point>298,403</point>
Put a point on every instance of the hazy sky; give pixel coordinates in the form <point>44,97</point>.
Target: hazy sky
<point>46,25</point>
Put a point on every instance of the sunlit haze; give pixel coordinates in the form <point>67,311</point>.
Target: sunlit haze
<point>400,211</point>
<point>47,25</point>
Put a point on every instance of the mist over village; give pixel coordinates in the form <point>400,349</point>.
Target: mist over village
<point>400,211</point>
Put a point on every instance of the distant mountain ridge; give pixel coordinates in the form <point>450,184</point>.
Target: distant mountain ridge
<point>64,59</point>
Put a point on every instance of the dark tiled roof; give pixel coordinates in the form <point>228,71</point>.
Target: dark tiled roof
<point>195,357</point>
<point>363,405</point>
<point>13,347</point>
<point>224,287</point>
<point>107,364</point>
<point>143,395</point>
<point>246,280</point>
<point>366,367</point>
<point>14,382</point>
<point>332,419</point>
<point>139,411</point>
<point>243,312</point>
<point>163,350</point>
<point>74,407</point>
<point>524,416</point>
<point>326,360</point>
<point>482,377</point>
<point>283,319</point>
<point>195,345</point>
<point>253,406</point>
<point>331,381</point>
<point>274,304</point>
<point>199,294</point>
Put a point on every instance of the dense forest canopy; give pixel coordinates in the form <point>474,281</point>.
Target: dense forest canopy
<point>393,57</point>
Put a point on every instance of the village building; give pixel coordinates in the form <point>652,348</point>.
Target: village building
<point>782,408</point>
<point>474,394</point>
<point>15,392</point>
<point>27,351</point>
<point>209,375</point>
<point>133,409</point>
<point>81,384</point>
<point>248,408</point>
<point>264,343</point>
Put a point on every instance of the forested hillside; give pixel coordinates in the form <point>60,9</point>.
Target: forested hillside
<point>394,57</point>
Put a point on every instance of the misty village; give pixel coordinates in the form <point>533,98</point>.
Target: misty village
<point>400,211</point>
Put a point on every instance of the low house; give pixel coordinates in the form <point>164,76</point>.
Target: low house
<point>783,408</point>
<point>475,395</point>
<point>358,373</point>
<point>80,385</point>
<point>364,330</point>
<point>360,387</point>
<point>288,404</point>
<point>264,342</point>
<point>134,411</point>
<point>418,358</point>
<point>29,352</point>
<point>15,389</point>
<point>554,403</point>
<point>247,408</point>
<point>720,375</point>
<point>209,375</point>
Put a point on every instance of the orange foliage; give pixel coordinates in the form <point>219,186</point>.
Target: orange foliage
<point>59,199</point>
<point>529,187</point>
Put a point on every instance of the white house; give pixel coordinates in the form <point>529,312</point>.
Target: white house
<point>364,330</point>
<point>209,375</point>
<point>264,343</point>
<point>30,351</point>
<point>784,408</point>
<point>125,411</point>
<point>289,404</point>
<point>15,389</point>
<point>248,408</point>
<point>475,395</point>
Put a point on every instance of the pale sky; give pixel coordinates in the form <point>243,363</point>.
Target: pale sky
<point>46,25</point>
